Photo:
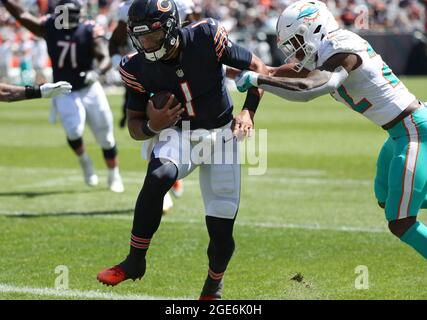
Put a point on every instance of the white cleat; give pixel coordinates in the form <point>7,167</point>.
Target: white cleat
<point>91,179</point>
<point>115,182</point>
<point>167,203</point>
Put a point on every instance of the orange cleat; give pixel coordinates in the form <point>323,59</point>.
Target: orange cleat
<point>121,272</point>
<point>112,276</point>
<point>178,189</point>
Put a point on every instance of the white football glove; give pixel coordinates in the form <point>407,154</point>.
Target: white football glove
<point>91,77</point>
<point>49,90</point>
<point>246,80</point>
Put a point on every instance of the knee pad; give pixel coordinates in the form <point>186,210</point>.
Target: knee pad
<point>75,144</point>
<point>161,175</point>
<point>110,153</point>
<point>222,197</point>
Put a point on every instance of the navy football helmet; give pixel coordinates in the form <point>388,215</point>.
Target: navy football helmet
<point>153,27</point>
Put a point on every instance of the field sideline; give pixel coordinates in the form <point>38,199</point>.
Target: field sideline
<point>312,213</point>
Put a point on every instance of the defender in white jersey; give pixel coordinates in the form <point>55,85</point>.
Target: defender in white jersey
<point>323,59</point>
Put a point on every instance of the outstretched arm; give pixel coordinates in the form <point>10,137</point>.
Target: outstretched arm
<point>101,54</point>
<point>316,83</point>
<point>29,21</point>
<point>244,121</point>
<point>118,38</point>
<point>9,93</point>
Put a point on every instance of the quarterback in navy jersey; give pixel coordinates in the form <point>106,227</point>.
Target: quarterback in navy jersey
<point>74,45</point>
<point>196,77</point>
<point>189,63</point>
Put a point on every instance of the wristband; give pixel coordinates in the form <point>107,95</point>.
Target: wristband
<point>32,92</point>
<point>252,102</point>
<point>147,130</point>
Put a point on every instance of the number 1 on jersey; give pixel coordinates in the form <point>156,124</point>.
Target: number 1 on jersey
<point>188,99</point>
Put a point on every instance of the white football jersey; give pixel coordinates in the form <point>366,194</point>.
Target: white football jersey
<point>372,89</point>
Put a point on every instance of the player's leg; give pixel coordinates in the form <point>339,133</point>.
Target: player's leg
<point>220,186</point>
<point>161,175</point>
<point>100,120</point>
<point>382,174</point>
<point>73,116</point>
<point>408,181</point>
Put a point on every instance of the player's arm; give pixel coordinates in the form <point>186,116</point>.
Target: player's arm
<point>145,121</point>
<point>9,93</point>
<point>145,125</point>
<point>118,38</point>
<point>100,51</point>
<point>32,23</point>
<point>318,82</point>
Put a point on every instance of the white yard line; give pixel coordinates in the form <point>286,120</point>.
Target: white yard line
<point>242,223</point>
<point>77,294</point>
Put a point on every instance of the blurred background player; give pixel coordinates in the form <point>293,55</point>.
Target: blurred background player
<point>188,62</point>
<point>10,93</point>
<point>73,46</point>
<point>330,60</point>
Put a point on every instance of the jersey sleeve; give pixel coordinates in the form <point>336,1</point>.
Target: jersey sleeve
<point>341,41</point>
<point>137,95</point>
<point>227,52</point>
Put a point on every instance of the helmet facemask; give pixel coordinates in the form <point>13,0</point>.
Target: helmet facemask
<point>164,36</point>
<point>297,50</point>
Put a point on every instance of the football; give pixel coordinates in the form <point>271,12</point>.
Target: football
<point>160,98</point>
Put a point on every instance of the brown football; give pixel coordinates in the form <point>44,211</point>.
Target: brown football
<point>160,98</point>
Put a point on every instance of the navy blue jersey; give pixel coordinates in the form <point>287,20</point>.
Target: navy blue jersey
<point>71,51</point>
<point>196,78</point>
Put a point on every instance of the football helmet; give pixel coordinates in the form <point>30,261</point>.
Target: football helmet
<point>153,26</point>
<point>301,28</point>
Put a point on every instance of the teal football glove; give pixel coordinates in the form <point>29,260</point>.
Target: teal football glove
<point>246,80</point>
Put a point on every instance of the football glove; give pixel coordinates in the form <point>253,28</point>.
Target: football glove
<point>49,90</point>
<point>91,77</point>
<point>246,80</point>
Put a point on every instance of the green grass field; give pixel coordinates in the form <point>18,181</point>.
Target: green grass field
<point>313,213</point>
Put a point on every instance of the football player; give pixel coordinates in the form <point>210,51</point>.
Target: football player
<point>73,46</point>
<point>10,93</point>
<point>334,61</point>
<point>119,40</point>
<point>188,62</point>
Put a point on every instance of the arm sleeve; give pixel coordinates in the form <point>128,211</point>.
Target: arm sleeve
<point>135,100</point>
<point>227,52</point>
<point>137,96</point>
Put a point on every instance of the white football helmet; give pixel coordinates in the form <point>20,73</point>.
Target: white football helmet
<point>309,19</point>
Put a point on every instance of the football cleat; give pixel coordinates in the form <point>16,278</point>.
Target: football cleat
<point>212,290</point>
<point>112,276</point>
<point>167,203</point>
<point>177,189</point>
<point>91,179</point>
<point>115,182</point>
<point>121,272</point>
